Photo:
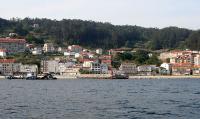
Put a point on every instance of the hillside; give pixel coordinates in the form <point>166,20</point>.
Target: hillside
<point>96,34</point>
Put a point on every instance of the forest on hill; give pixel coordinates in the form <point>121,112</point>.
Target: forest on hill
<point>92,34</point>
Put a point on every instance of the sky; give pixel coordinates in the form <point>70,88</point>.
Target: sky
<point>145,13</point>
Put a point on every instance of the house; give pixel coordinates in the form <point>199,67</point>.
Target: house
<point>99,68</point>
<point>197,60</point>
<point>99,51</point>
<point>146,70</point>
<point>70,72</point>
<point>196,70</point>
<point>64,65</point>
<point>104,68</point>
<point>69,53</point>
<point>37,51</point>
<point>3,53</point>
<point>48,47</point>
<point>77,55</point>
<point>9,66</point>
<point>182,69</point>
<point>106,59</point>
<point>60,49</point>
<point>128,68</point>
<point>13,45</point>
<point>166,68</point>
<point>75,48</point>
<point>87,63</point>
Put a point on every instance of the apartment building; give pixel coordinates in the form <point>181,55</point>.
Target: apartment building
<point>9,66</point>
<point>13,45</point>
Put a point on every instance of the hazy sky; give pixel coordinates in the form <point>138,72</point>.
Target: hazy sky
<point>147,13</point>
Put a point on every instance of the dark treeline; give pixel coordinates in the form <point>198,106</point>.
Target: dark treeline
<point>96,34</point>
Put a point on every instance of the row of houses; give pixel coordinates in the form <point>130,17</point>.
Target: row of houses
<point>185,62</point>
<point>133,69</point>
<point>11,67</point>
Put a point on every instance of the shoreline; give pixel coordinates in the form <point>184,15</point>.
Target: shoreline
<point>130,77</point>
<point>164,77</point>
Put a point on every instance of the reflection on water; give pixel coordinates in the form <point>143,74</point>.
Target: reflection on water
<point>100,99</point>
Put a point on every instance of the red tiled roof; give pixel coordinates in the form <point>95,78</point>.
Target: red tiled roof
<point>7,60</point>
<point>10,40</point>
<point>106,61</point>
<point>3,50</point>
<point>88,60</point>
<point>182,65</point>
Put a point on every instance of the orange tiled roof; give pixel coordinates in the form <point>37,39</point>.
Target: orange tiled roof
<point>7,60</point>
<point>10,40</point>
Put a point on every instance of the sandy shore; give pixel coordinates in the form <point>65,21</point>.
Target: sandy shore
<point>164,77</point>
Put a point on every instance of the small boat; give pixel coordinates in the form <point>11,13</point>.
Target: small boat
<point>31,76</point>
<point>47,76</point>
<point>120,76</point>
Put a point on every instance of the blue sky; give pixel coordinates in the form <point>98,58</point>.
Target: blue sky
<point>146,13</point>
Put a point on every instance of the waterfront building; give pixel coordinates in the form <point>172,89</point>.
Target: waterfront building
<point>146,70</point>
<point>49,66</point>
<point>48,47</point>
<point>13,45</point>
<point>166,68</point>
<point>182,69</point>
<point>96,67</point>
<point>29,68</point>
<point>9,66</point>
<point>70,71</point>
<point>128,68</point>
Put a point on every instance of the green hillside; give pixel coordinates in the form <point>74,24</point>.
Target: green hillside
<point>96,34</point>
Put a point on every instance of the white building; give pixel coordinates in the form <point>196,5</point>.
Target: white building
<point>60,49</point>
<point>197,59</point>
<point>69,53</point>
<point>77,55</point>
<point>48,47</point>
<point>75,48</point>
<point>70,72</point>
<point>64,65</point>
<point>87,63</point>
<point>37,51</point>
<point>146,70</point>
<point>99,51</point>
<point>2,53</point>
<point>29,68</point>
<point>166,66</point>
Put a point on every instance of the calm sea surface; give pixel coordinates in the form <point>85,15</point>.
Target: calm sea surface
<point>100,99</point>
